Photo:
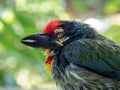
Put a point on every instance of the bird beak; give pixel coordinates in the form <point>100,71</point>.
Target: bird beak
<point>40,41</point>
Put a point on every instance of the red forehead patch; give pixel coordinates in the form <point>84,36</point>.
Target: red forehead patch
<point>51,26</point>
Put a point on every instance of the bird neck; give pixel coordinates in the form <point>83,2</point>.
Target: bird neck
<point>48,63</point>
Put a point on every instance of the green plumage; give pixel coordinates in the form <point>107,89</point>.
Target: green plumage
<point>87,61</point>
<point>95,55</point>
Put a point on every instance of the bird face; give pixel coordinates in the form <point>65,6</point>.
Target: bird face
<point>55,30</point>
<point>51,39</point>
<point>60,36</point>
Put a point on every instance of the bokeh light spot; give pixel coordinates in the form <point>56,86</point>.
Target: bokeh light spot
<point>22,78</point>
<point>8,16</point>
<point>11,62</point>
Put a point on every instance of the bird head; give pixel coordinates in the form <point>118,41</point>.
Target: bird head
<point>55,34</point>
<point>51,39</point>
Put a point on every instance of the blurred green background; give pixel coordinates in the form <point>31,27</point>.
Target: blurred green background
<point>22,66</point>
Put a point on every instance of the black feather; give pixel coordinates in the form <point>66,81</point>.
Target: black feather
<point>87,61</point>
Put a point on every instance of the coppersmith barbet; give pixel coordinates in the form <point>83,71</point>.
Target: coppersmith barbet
<point>78,57</point>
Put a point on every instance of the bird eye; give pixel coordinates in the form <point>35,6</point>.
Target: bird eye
<point>59,35</point>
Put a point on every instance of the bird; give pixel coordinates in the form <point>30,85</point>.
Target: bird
<point>77,56</point>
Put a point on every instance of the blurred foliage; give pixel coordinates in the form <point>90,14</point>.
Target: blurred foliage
<point>24,66</point>
<point>113,33</point>
<point>112,6</point>
<point>92,8</point>
<point>19,64</point>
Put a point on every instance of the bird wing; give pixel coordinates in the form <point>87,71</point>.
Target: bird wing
<point>102,57</point>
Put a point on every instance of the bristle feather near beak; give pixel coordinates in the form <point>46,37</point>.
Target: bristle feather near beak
<point>59,43</point>
<point>47,52</point>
